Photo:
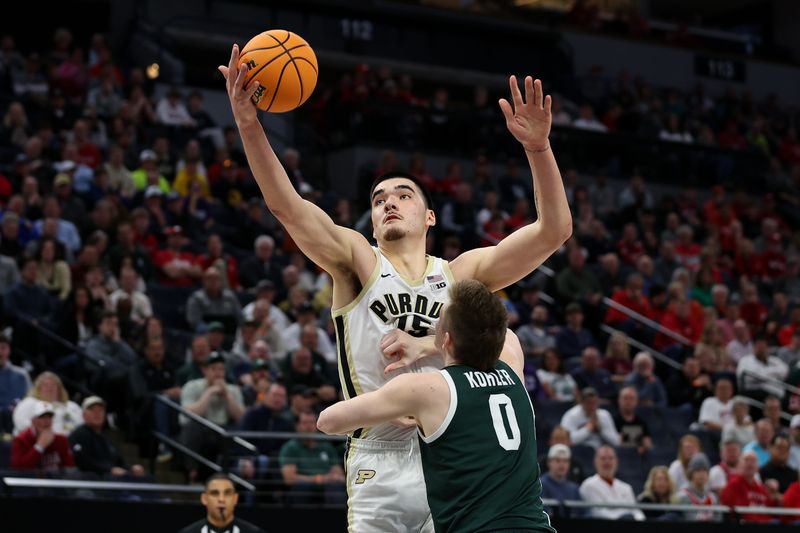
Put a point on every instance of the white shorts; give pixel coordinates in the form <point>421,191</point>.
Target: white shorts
<point>386,487</point>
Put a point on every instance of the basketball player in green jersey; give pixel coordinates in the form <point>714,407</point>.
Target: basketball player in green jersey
<point>474,417</point>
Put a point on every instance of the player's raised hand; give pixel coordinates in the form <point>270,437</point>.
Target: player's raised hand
<point>241,98</point>
<point>530,119</point>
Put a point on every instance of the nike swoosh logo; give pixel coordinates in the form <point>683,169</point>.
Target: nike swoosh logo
<point>385,275</point>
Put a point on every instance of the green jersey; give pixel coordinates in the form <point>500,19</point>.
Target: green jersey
<point>480,465</point>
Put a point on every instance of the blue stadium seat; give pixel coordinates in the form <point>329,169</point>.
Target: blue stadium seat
<point>658,456</point>
<point>677,421</point>
<point>654,418</point>
<point>630,467</point>
<point>584,455</point>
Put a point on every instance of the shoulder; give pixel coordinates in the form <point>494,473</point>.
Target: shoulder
<point>247,527</point>
<point>194,527</point>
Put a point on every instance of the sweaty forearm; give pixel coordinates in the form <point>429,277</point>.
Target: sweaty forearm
<point>276,188</point>
<point>549,194</point>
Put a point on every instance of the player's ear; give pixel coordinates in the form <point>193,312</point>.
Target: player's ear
<point>430,218</point>
<point>235,498</point>
<point>203,498</point>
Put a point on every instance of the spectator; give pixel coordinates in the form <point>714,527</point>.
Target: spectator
<point>14,385</point>
<point>574,339</point>
<point>589,425</point>
<point>576,282</point>
<point>604,487</point>
<point>305,332</point>
<point>741,428</point>
<point>760,445</point>
<point>535,337</point>
<point>53,273</point>
<point>211,398</point>
<point>141,309</point>
<point>794,450</point>
<point>790,354</point>
<point>27,298</point>
<point>772,411</point>
<point>310,469</point>
<point>659,488</point>
<point>633,430</point>
<point>93,451</point>
<point>66,232</point>
<point>688,447</point>
<point>730,451</point>
<point>149,174</point>
<point>760,364</point>
<point>618,357</point>
<point>47,387</point>
<point>689,387</point>
<point>177,268</point>
<point>213,303</point>
<point>152,376</point>
<point>226,264</point>
<point>193,369</point>
<point>172,112</point>
<point>560,435</point>
<point>696,492</point>
<point>9,271</point>
<point>557,384</point>
<point>270,414</point>
<point>741,345</point>
<point>117,359</point>
<point>744,489</point>
<point>591,375</point>
<point>678,319</point>
<point>300,369</point>
<point>717,410</point>
<point>632,297</point>
<point>647,384</point>
<point>263,266</point>
<point>777,468</point>
<point>666,263</point>
<point>39,447</point>
<point>555,483</point>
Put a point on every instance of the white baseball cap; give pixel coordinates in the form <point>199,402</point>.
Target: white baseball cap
<point>559,451</point>
<point>43,408</point>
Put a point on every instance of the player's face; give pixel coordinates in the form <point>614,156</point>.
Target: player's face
<point>220,498</point>
<point>398,210</point>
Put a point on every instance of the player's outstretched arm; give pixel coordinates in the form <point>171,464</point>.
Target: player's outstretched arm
<point>520,253</point>
<point>403,396</point>
<point>325,243</point>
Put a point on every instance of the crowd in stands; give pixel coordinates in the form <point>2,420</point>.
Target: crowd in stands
<point>132,229</point>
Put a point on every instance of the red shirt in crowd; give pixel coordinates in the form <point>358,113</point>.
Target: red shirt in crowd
<point>164,257</point>
<point>689,255</point>
<point>741,493</point>
<point>689,328</point>
<point>791,500</point>
<point>641,305</point>
<point>630,251</point>
<point>754,313</point>
<point>231,267</point>
<point>25,456</point>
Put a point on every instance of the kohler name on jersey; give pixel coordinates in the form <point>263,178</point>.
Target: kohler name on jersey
<point>495,378</point>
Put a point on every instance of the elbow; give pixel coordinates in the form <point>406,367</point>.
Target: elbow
<point>325,423</point>
<point>565,231</point>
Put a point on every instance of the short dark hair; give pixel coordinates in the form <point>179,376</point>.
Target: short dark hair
<point>397,174</point>
<point>219,475</point>
<point>477,321</point>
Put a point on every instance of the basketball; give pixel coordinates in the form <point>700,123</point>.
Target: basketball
<point>285,66</point>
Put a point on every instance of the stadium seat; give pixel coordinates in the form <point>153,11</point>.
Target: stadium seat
<point>654,418</point>
<point>677,421</point>
<point>169,303</point>
<point>630,467</point>
<point>584,455</point>
<point>658,456</point>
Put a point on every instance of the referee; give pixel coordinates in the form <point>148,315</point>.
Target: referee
<point>220,498</point>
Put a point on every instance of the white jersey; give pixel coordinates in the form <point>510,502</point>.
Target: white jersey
<point>387,301</point>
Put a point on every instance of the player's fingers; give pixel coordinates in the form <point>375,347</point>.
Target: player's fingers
<point>530,97</point>
<point>240,77</point>
<point>515,94</point>
<point>505,107</point>
<point>397,365</point>
<point>548,103</point>
<point>234,57</point>
<point>253,89</point>
<point>395,349</point>
<point>538,93</point>
<point>224,71</point>
<point>388,339</point>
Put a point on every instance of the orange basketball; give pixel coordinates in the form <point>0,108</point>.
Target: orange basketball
<point>285,66</point>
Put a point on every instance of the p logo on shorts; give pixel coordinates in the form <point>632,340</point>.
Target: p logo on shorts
<point>363,475</point>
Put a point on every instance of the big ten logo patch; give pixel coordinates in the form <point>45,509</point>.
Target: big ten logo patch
<point>363,475</point>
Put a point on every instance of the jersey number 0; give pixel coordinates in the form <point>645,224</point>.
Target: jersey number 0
<point>499,404</point>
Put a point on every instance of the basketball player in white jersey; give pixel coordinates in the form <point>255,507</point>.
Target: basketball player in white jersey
<point>387,298</point>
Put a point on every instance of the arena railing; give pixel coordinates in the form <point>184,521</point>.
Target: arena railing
<point>227,439</point>
<point>735,511</point>
<point>760,405</point>
<point>608,302</point>
<point>10,482</point>
<point>58,339</point>
<point>633,343</point>
<point>787,387</point>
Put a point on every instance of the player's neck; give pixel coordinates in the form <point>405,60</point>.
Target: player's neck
<point>407,257</point>
<point>218,523</point>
